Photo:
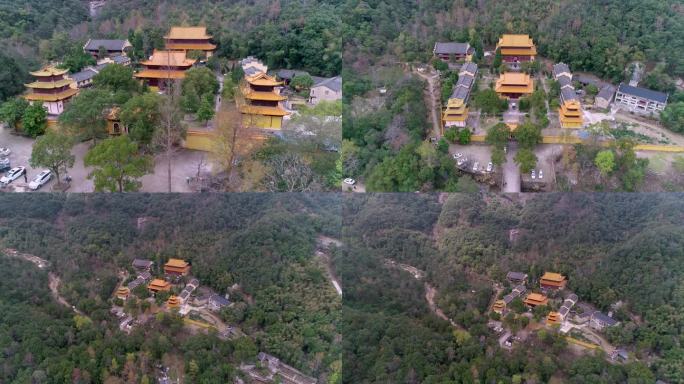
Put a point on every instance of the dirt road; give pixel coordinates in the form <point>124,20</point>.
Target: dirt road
<point>434,104</point>
<point>430,291</point>
<point>325,243</point>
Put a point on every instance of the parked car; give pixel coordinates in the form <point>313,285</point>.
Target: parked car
<point>12,175</point>
<point>349,181</point>
<point>541,175</point>
<point>490,167</point>
<point>4,163</point>
<point>461,161</point>
<point>40,180</point>
<point>4,151</point>
<point>458,155</point>
<point>475,166</point>
<point>534,174</point>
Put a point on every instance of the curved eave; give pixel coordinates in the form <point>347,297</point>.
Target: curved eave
<point>264,96</point>
<point>49,84</point>
<point>266,111</point>
<point>51,97</point>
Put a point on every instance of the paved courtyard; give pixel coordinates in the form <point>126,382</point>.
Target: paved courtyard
<point>183,165</point>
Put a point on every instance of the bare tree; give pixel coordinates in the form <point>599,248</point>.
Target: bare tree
<point>290,173</point>
<point>172,131</point>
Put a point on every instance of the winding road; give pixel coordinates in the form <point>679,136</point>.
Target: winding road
<point>53,280</point>
<point>430,291</point>
<point>434,104</point>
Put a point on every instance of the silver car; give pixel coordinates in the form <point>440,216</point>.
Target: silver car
<point>12,175</point>
<point>40,180</point>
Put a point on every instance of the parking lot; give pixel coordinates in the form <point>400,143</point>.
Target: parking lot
<point>546,155</point>
<point>183,165</point>
<point>480,154</point>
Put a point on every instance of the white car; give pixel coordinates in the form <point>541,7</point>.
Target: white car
<point>349,181</point>
<point>40,180</point>
<point>458,155</point>
<point>4,151</point>
<point>12,175</point>
<point>461,161</point>
<point>541,175</point>
<point>490,166</point>
<point>475,166</point>
<point>534,174</point>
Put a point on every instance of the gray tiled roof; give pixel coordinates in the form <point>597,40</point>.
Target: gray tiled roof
<point>219,300</point>
<point>516,275</point>
<point>451,48</point>
<point>643,93</point>
<point>564,81</point>
<point>459,93</point>
<point>290,73</point>
<point>142,263</point>
<point>333,83</point>
<point>600,316</point>
<point>568,94</point>
<point>469,67</point>
<point>465,81</point>
<point>110,45</point>
<point>560,68</point>
<point>607,92</point>
<point>120,59</point>
<point>84,75</point>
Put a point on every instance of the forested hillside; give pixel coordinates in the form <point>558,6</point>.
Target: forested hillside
<point>602,37</point>
<point>263,243</point>
<point>614,248</point>
<point>301,34</point>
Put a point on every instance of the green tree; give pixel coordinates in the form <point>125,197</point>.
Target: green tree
<point>118,165</point>
<point>498,135</point>
<point>489,102</point>
<point>85,116</point>
<point>34,121</point>
<point>12,111</point>
<point>605,162</point>
<point>498,59</point>
<point>451,134</point>
<point>141,114</point>
<point>301,82</point>
<point>464,136</point>
<point>673,117</point>
<point>198,84</point>
<point>498,156</point>
<point>528,135</point>
<point>526,160</point>
<point>439,65</point>
<point>116,78</point>
<point>205,111</point>
<point>53,151</point>
<point>592,90</point>
<point>77,59</point>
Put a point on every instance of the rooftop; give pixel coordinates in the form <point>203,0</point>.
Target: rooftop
<point>606,92</point>
<point>332,83</point>
<point>514,78</point>
<point>169,58</point>
<point>177,263</point>
<point>469,67</point>
<point>552,276</point>
<point>49,71</point>
<point>560,68</point>
<point>194,33</point>
<point>643,93</point>
<point>452,48</point>
<point>516,275</point>
<point>109,45</point>
<point>600,316</point>
<point>515,41</point>
<point>534,296</point>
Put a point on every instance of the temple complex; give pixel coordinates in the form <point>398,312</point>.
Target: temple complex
<point>52,88</point>
<point>456,112</point>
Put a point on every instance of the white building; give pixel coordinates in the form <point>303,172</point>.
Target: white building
<point>640,100</point>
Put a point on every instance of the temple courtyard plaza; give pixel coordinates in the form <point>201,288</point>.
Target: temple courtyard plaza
<point>183,165</point>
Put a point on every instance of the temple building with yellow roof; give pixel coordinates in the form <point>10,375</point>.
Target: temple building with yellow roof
<point>516,49</point>
<point>553,318</point>
<point>552,280</point>
<point>159,285</point>
<point>52,88</point>
<point>456,112</point>
<point>535,299</point>
<point>122,293</point>
<point>190,39</point>
<point>177,267</point>
<point>173,302</point>
<point>261,104</point>
<point>164,66</point>
<point>513,85</point>
<point>570,110</point>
